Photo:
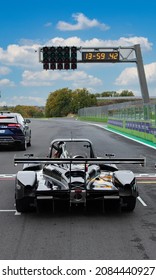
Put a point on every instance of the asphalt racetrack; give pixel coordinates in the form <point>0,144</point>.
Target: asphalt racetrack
<point>79,234</point>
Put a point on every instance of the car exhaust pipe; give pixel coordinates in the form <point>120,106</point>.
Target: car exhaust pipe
<point>78,195</point>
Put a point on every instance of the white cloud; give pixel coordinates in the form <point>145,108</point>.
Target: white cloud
<point>95,42</point>
<point>150,70</point>
<point>129,76</point>
<point>3,103</point>
<point>27,56</point>
<point>16,55</point>
<point>82,79</point>
<point>4,70</point>
<point>144,43</point>
<point>6,83</point>
<point>28,100</point>
<point>48,78</point>
<point>82,23</point>
<point>39,78</point>
<point>48,24</point>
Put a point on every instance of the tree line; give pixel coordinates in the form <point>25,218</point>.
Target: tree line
<point>63,102</point>
<point>25,111</point>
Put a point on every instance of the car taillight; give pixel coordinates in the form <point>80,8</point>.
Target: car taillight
<point>14,125</point>
<point>78,190</point>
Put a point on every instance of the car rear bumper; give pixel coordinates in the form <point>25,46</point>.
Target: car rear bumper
<point>10,140</point>
<point>66,194</point>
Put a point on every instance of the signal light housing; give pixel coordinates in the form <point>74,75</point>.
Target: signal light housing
<point>59,58</point>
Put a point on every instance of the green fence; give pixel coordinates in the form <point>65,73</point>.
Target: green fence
<point>139,113</point>
<point>139,121</point>
<point>132,118</point>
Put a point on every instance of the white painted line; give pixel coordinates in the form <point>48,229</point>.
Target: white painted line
<point>7,175</point>
<point>151,175</point>
<point>142,202</point>
<point>147,182</point>
<point>10,210</point>
<point>7,210</point>
<point>131,138</point>
<point>17,213</point>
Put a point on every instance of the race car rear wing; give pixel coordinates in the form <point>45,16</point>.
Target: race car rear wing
<point>42,160</point>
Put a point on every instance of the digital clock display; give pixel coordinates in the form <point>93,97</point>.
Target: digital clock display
<point>100,56</point>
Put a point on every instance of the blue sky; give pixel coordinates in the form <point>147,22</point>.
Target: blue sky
<point>26,26</point>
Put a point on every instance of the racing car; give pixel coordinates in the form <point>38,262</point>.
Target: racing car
<point>73,173</point>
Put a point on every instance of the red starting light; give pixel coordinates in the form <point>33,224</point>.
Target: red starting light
<point>60,66</point>
<point>73,66</point>
<point>45,66</point>
<point>53,66</point>
<point>66,66</point>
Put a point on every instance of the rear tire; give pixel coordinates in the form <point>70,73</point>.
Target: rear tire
<point>130,202</point>
<point>24,204</point>
<point>111,205</point>
<point>24,146</point>
<point>29,143</point>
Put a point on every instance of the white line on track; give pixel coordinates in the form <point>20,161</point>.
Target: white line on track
<point>17,213</point>
<point>126,136</point>
<point>7,176</point>
<point>142,202</point>
<point>7,210</point>
<point>10,210</point>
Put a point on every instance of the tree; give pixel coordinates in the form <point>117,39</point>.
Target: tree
<point>62,102</point>
<point>28,111</point>
<point>126,93</point>
<point>83,98</point>
<point>58,103</point>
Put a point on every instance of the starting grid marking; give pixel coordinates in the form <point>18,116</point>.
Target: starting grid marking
<point>146,178</point>
<point>142,175</point>
<point>10,211</point>
<point>7,176</point>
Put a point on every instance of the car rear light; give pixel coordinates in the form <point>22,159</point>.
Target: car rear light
<point>14,125</point>
<point>78,190</point>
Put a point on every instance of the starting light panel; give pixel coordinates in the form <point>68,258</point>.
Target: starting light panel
<point>59,58</point>
<point>66,58</point>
